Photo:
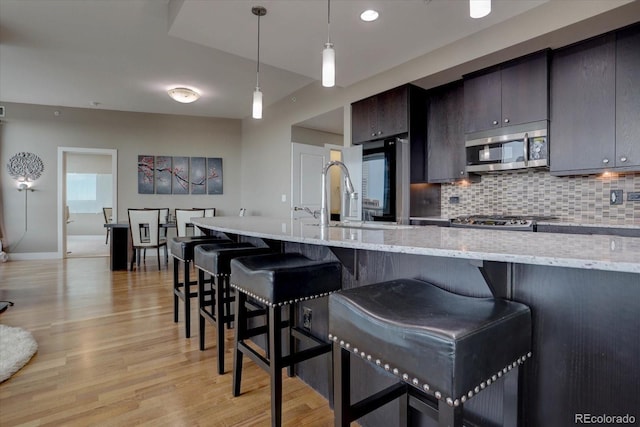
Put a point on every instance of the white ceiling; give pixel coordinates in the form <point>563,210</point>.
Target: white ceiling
<point>125,54</point>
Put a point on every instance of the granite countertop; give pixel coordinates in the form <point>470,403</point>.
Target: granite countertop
<point>593,252</point>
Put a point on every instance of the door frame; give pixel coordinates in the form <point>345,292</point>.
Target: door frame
<point>62,189</point>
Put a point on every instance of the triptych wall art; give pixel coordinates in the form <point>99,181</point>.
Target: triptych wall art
<point>179,175</point>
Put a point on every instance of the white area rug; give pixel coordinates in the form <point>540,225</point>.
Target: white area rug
<point>16,348</point>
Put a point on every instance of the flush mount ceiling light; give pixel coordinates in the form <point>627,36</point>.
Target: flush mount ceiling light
<point>257,94</point>
<point>369,15</point>
<point>328,55</point>
<point>479,8</point>
<point>183,94</point>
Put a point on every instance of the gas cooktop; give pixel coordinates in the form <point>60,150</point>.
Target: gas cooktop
<point>508,221</point>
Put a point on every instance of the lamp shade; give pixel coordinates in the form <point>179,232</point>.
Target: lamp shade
<point>328,65</point>
<point>183,94</point>
<point>257,104</point>
<point>479,8</point>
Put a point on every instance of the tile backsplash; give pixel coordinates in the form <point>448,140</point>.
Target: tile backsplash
<point>581,199</point>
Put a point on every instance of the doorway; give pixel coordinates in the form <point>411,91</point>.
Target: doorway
<point>87,183</point>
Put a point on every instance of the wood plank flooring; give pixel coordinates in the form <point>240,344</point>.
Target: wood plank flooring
<point>110,355</point>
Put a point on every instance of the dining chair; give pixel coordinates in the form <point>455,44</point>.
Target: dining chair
<point>108,217</point>
<point>208,213</point>
<point>164,219</point>
<point>183,217</point>
<point>139,221</point>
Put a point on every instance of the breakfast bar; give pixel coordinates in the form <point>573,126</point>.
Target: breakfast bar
<point>583,291</point>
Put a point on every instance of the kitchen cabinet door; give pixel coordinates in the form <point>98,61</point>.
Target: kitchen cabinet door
<point>482,102</point>
<point>392,112</point>
<point>628,99</point>
<point>512,93</point>
<point>582,129</point>
<point>445,141</point>
<point>363,120</point>
<point>525,90</point>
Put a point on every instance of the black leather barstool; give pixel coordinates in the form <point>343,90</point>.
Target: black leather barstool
<point>279,281</point>
<point>182,251</point>
<point>443,347</point>
<point>214,301</point>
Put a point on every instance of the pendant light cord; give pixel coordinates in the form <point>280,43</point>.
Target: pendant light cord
<point>258,64</point>
<point>328,21</point>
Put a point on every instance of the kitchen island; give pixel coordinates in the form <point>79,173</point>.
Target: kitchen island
<point>583,290</point>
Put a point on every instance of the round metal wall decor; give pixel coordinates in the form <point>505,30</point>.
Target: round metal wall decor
<point>27,166</point>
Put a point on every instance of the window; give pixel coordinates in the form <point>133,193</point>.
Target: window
<point>88,192</point>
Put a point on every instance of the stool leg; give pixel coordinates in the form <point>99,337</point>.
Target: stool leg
<point>186,287</point>
<point>275,365</point>
<point>227,300</point>
<point>201,306</point>
<point>219,285</point>
<point>291,345</point>
<point>449,416</point>
<point>341,386</point>
<point>241,326</point>
<point>510,401</point>
<point>176,287</point>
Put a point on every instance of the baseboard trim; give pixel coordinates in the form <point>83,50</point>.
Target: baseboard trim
<point>25,256</point>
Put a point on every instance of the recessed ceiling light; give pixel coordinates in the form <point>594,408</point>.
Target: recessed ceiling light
<point>369,15</point>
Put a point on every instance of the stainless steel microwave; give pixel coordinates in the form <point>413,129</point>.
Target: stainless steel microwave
<point>519,150</point>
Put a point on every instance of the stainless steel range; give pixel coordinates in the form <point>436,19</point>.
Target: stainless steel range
<point>499,222</point>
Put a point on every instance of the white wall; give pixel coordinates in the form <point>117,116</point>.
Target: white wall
<point>37,129</point>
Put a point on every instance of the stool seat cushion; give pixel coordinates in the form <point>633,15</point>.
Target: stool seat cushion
<point>216,259</point>
<point>284,278</point>
<point>182,247</point>
<point>438,341</point>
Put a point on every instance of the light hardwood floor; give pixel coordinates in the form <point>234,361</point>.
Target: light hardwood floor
<point>110,355</point>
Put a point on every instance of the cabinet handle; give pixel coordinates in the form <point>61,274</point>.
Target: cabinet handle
<point>461,172</point>
<point>605,161</point>
<point>506,120</point>
<point>623,159</point>
<point>495,122</point>
<point>373,134</point>
<point>379,132</point>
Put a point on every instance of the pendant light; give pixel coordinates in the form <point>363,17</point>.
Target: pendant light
<point>328,55</point>
<point>257,94</point>
<point>479,8</point>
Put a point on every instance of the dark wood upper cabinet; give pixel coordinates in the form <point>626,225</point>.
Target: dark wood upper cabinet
<point>512,93</point>
<point>363,119</point>
<point>401,111</point>
<point>595,105</point>
<point>446,157</point>
<point>628,99</point>
<point>380,116</point>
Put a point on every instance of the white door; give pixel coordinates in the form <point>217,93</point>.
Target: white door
<point>307,162</point>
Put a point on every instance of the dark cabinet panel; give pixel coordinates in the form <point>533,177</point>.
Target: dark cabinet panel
<point>393,112</point>
<point>363,120</point>
<point>512,93</point>
<point>380,116</point>
<point>583,107</point>
<point>482,102</point>
<point>525,90</point>
<point>445,141</point>
<point>628,99</point>
<point>418,134</point>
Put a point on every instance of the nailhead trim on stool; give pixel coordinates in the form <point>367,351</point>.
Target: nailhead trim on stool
<point>423,385</point>
<point>279,304</point>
